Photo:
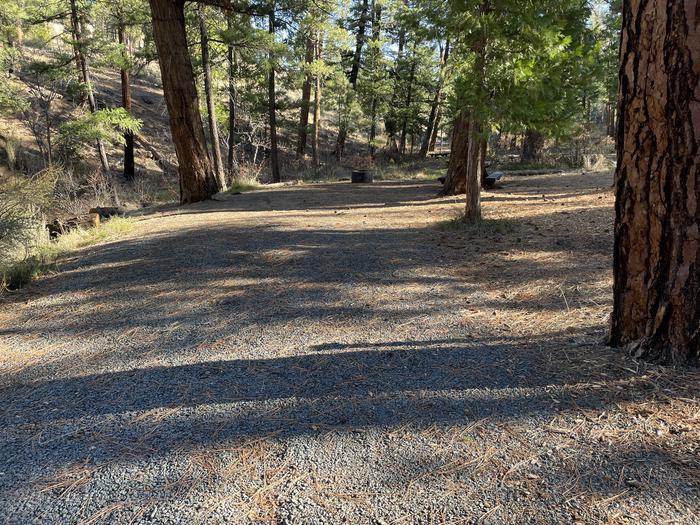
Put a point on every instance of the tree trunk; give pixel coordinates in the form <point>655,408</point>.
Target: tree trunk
<point>354,73</point>
<point>656,261</point>
<point>434,107</point>
<point>409,100</point>
<point>436,128</point>
<point>315,152</point>
<point>197,180</point>
<point>376,33</point>
<point>532,146</point>
<point>305,100</point>
<point>231,159</point>
<point>85,74</point>
<point>481,169</point>
<point>129,165</point>
<point>456,181</point>
<point>209,97</point>
<point>274,154</point>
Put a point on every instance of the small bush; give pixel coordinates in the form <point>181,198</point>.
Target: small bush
<point>43,260</point>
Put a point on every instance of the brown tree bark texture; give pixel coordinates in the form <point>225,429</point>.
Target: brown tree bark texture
<point>209,97</point>
<point>197,181</point>
<point>657,242</point>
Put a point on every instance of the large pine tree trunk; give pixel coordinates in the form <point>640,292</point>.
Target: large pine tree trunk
<point>272,103</point>
<point>456,181</point>
<point>197,180</point>
<point>209,96</point>
<point>657,238</point>
<point>129,165</point>
<point>532,146</point>
<point>305,100</point>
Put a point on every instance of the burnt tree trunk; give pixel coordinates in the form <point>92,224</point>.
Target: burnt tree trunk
<point>305,99</point>
<point>532,146</point>
<point>129,164</point>
<point>209,97</point>
<point>657,183</point>
<point>197,180</point>
<point>272,102</point>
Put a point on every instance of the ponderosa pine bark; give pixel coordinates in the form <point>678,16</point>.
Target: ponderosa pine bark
<point>209,97</point>
<point>532,146</point>
<point>197,180</point>
<point>657,183</point>
<point>456,181</point>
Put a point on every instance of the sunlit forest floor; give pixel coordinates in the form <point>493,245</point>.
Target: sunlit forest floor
<point>338,353</point>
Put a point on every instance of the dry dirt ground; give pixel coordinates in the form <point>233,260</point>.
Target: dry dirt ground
<point>340,354</point>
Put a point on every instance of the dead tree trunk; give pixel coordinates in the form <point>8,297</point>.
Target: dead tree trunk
<point>85,74</point>
<point>305,99</point>
<point>434,107</point>
<point>656,262</point>
<point>197,180</point>
<point>129,165</point>
<point>209,97</point>
<point>272,102</point>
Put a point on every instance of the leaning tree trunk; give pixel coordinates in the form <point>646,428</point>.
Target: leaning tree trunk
<point>129,164</point>
<point>657,183</point>
<point>197,180</point>
<point>209,96</point>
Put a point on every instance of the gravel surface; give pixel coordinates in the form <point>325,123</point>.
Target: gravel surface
<point>332,354</point>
